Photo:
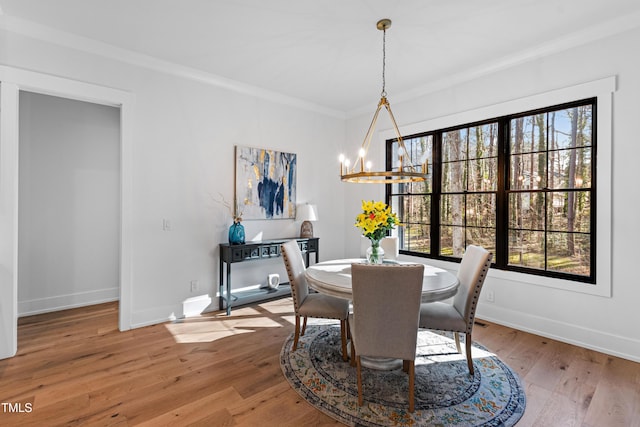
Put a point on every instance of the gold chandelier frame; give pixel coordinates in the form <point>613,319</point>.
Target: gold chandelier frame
<point>406,171</point>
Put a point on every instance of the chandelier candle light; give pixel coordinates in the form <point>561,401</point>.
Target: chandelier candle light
<point>405,171</point>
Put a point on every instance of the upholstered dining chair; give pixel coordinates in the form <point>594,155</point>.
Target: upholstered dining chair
<point>386,311</point>
<point>458,317</point>
<point>307,304</point>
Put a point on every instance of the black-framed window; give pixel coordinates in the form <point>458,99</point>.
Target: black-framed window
<point>522,186</point>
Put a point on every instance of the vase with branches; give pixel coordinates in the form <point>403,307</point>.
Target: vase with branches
<point>236,231</point>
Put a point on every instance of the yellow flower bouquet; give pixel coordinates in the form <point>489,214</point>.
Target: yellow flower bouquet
<point>375,221</point>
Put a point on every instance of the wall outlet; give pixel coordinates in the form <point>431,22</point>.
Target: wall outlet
<point>491,297</point>
<point>194,285</point>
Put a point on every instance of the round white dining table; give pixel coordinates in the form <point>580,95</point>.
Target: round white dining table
<point>334,278</point>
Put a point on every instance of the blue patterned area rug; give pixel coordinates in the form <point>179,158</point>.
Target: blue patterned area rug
<point>445,393</point>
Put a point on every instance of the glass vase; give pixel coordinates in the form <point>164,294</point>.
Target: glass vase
<point>236,234</point>
<point>375,253</point>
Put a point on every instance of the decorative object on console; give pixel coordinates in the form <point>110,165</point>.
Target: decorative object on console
<point>306,213</point>
<point>236,232</point>
<point>273,281</point>
<point>265,183</point>
<point>375,221</point>
<point>404,169</point>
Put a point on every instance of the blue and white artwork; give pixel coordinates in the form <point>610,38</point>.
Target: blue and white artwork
<point>265,184</point>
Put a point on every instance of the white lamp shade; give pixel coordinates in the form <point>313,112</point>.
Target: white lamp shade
<point>306,212</point>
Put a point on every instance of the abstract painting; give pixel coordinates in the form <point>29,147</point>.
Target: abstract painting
<point>265,184</point>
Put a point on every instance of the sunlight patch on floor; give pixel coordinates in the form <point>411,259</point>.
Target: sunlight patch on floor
<point>209,328</point>
<point>445,351</point>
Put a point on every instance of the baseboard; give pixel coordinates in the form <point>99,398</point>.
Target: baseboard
<point>64,302</point>
<point>615,345</point>
<point>191,306</point>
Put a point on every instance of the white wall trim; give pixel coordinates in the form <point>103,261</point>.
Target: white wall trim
<point>94,47</point>
<point>13,80</point>
<point>64,302</point>
<point>59,86</point>
<point>154,316</point>
<point>603,342</point>
<point>603,90</point>
<point>8,218</point>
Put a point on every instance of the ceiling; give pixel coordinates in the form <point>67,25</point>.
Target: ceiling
<point>328,52</point>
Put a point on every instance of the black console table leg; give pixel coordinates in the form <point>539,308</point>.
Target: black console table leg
<point>228,289</point>
<point>220,284</point>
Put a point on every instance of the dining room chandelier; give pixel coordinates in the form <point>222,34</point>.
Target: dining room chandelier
<point>361,171</point>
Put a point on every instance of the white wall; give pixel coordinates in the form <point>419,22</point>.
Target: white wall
<point>69,204</point>
<point>184,133</point>
<point>602,323</point>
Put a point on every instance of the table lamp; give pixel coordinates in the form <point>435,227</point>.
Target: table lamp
<point>306,213</point>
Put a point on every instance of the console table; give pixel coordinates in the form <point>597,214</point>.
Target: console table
<point>256,251</point>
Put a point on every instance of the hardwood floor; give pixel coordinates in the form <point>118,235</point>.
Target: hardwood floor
<point>75,368</point>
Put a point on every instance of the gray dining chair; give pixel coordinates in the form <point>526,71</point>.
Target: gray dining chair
<point>307,304</point>
<point>386,312</point>
<point>458,317</point>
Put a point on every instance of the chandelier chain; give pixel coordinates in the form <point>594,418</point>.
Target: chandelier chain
<point>384,61</point>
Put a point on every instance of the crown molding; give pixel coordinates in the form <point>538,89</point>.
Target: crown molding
<point>50,35</point>
<point>91,46</point>
<point>587,35</point>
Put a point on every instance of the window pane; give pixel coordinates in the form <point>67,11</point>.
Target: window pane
<point>526,211</point>
<point>454,145</point>
<point>452,242</point>
<point>528,171</point>
<point>571,127</point>
<point>414,213</point>
<point>453,177</point>
<point>526,248</point>
<point>451,209</point>
<point>485,237</point>
<point>483,141</point>
<point>415,209</point>
<point>420,149</point>
<point>570,211</point>
<point>570,168</point>
<point>412,187</point>
<point>415,237</point>
<point>528,134</point>
<point>483,174</point>
<point>481,210</point>
<point>569,253</point>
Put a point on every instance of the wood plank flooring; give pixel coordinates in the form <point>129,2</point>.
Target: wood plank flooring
<point>75,368</point>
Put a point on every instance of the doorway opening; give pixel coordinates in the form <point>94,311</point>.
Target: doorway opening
<point>13,81</point>
<point>69,203</point>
